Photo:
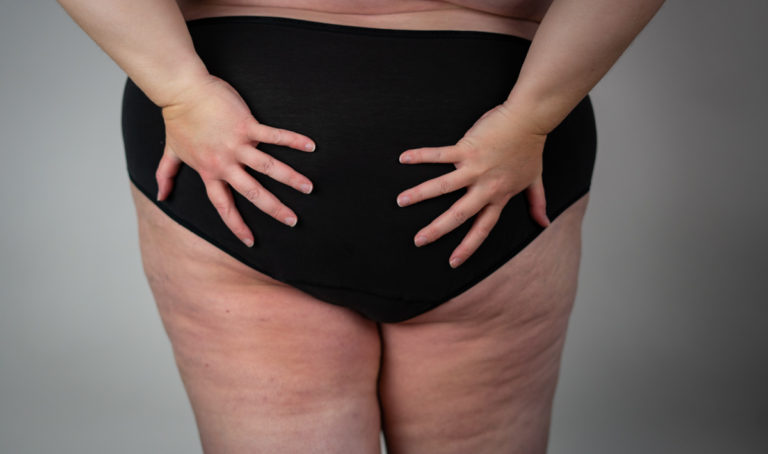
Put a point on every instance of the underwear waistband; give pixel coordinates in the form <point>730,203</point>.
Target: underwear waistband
<point>356,29</point>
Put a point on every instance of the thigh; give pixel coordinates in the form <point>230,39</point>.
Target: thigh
<point>478,373</point>
<point>267,368</point>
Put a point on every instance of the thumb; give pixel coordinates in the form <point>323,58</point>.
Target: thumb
<point>166,170</point>
<point>537,201</point>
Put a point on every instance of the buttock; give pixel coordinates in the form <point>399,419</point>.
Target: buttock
<point>363,95</point>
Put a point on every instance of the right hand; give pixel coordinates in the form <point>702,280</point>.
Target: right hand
<point>211,129</point>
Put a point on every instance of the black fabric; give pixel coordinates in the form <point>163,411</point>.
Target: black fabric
<point>364,95</point>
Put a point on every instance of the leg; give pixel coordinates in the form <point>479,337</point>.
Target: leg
<point>266,367</point>
<point>478,373</point>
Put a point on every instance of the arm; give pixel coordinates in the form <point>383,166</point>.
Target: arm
<point>208,125</point>
<point>501,154</point>
<point>148,39</point>
<point>576,44</point>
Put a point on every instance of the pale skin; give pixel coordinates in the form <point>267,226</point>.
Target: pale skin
<point>269,368</point>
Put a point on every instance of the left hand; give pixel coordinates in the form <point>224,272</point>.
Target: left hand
<point>499,156</point>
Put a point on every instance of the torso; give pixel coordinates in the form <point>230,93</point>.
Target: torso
<point>513,17</point>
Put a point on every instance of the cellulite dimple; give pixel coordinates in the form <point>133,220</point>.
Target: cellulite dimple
<point>364,96</point>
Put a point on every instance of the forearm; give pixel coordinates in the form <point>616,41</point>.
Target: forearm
<point>576,44</point>
<point>148,39</point>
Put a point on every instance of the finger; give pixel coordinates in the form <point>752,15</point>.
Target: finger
<point>279,136</point>
<point>167,169</point>
<point>480,230</point>
<point>537,202</point>
<point>443,184</point>
<point>278,170</point>
<point>461,210</point>
<point>221,198</point>
<point>246,185</point>
<point>429,154</point>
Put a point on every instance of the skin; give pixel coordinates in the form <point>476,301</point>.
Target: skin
<point>268,368</point>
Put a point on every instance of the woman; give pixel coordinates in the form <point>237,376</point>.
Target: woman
<point>344,209</point>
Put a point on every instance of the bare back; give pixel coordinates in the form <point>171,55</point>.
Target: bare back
<point>516,17</point>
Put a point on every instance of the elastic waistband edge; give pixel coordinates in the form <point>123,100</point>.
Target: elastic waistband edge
<point>356,29</point>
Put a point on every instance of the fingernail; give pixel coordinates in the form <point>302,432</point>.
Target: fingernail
<point>306,188</point>
<point>420,240</point>
<point>158,195</point>
<point>309,147</point>
<point>403,200</point>
<point>455,261</point>
<point>248,242</point>
<point>290,220</point>
<point>405,158</point>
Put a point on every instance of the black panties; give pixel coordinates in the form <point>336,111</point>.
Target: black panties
<point>364,95</point>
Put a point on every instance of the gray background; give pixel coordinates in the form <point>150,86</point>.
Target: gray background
<point>667,347</point>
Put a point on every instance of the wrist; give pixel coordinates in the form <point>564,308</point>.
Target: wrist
<point>542,111</point>
<point>181,83</point>
<point>525,116</point>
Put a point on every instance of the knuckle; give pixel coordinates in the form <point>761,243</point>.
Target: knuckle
<point>459,215</point>
<point>496,185</point>
<point>483,231</point>
<point>252,194</point>
<point>473,172</point>
<point>444,187</point>
<point>232,142</point>
<point>266,165</point>
<point>275,210</point>
<point>213,164</point>
<point>277,136</point>
<point>205,173</point>
<point>243,128</point>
